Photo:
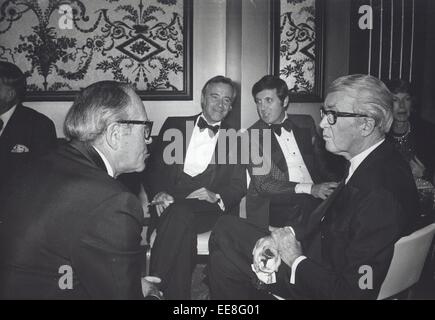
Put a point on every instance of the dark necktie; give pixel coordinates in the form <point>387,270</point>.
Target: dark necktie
<point>277,128</point>
<point>202,124</point>
<point>1,124</point>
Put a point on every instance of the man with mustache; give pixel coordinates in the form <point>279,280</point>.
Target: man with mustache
<point>353,230</point>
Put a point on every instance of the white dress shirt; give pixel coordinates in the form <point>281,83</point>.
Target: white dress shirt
<point>200,152</point>
<point>6,117</point>
<point>297,169</point>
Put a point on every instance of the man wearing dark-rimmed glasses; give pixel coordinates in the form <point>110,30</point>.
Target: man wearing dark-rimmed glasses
<point>69,229</point>
<point>352,233</point>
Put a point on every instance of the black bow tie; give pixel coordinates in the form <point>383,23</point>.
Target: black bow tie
<point>1,124</point>
<point>202,124</point>
<point>277,127</point>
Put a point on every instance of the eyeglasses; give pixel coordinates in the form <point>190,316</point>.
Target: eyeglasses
<point>148,125</point>
<point>331,115</point>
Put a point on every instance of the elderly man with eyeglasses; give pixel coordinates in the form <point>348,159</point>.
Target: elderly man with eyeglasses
<point>344,248</point>
<point>69,229</point>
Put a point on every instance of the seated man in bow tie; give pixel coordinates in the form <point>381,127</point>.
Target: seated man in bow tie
<point>191,186</point>
<point>24,132</point>
<point>295,183</point>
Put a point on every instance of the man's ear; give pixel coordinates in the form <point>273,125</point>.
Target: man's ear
<point>285,104</point>
<point>113,135</point>
<point>11,94</point>
<point>367,125</point>
<point>202,100</point>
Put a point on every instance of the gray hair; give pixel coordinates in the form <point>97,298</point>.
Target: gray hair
<point>220,79</point>
<point>95,108</point>
<point>371,95</point>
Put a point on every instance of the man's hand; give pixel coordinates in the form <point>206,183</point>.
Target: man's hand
<point>203,194</point>
<point>417,167</point>
<point>162,200</point>
<point>149,287</point>
<point>323,190</point>
<point>265,255</point>
<point>288,247</point>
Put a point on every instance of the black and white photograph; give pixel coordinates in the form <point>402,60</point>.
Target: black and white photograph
<point>217,155</point>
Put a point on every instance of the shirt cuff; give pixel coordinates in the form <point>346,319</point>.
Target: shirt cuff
<point>294,266</point>
<point>220,202</point>
<point>303,188</point>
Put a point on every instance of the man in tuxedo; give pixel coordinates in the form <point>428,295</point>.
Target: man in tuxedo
<point>344,248</point>
<point>69,229</point>
<point>295,183</point>
<point>191,186</point>
<point>24,133</point>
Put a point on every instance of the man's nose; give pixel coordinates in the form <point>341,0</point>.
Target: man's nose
<point>323,123</point>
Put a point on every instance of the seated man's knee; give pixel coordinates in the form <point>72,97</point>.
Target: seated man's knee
<point>222,232</point>
<point>180,211</point>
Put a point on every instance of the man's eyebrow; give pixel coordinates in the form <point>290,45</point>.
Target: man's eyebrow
<point>329,106</point>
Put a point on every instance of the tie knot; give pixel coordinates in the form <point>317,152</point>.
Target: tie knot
<point>202,124</point>
<point>277,128</point>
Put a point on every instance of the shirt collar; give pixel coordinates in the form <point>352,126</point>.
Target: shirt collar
<point>212,124</point>
<point>106,162</point>
<point>7,116</point>
<point>284,119</point>
<point>359,158</point>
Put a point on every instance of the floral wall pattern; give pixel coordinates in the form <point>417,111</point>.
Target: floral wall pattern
<point>298,46</point>
<point>65,45</point>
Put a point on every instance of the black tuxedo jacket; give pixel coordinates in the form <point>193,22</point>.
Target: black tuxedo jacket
<point>356,228</point>
<point>228,180</point>
<point>275,185</point>
<point>29,129</point>
<point>65,210</point>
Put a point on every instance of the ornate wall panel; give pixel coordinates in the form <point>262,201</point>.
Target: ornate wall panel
<point>65,45</point>
<point>297,46</point>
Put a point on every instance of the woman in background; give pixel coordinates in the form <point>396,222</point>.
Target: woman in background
<point>414,138</point>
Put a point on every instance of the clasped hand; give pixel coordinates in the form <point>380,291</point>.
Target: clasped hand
<point>162,200</point>
<point>281,243</point>
<point>203,194</point>
<point>323,190</point>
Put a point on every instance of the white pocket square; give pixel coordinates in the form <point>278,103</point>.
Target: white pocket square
<point>19,148</point>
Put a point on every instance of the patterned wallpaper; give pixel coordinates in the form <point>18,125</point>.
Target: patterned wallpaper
<point>66,45</point>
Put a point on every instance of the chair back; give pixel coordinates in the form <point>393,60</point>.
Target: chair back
<point>410,254</point>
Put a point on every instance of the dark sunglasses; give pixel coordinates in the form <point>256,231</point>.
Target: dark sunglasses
<point>148,125</point>
<point>331,115</point>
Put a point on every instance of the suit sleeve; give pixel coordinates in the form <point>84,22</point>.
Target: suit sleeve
<point>374,231</point>
<point>44,137</point>
<point>107,256</point>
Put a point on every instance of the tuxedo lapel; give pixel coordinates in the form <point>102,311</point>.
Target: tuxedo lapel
<point>313,220</point>
<point>12,131</point>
